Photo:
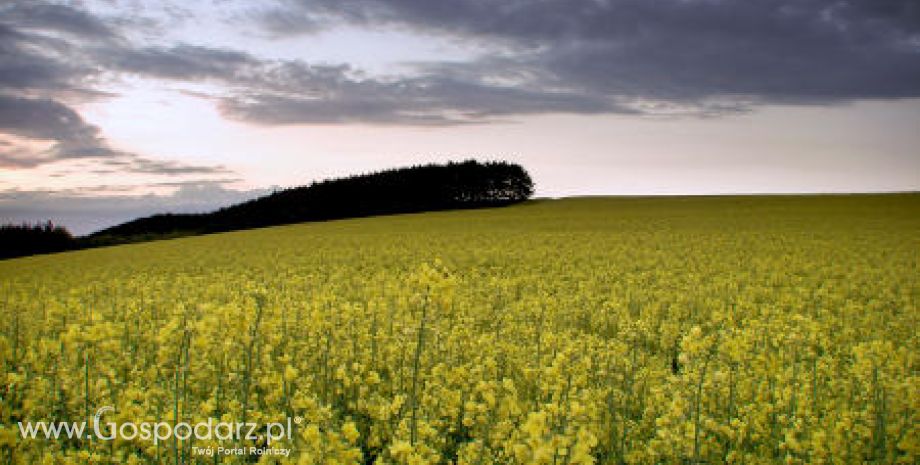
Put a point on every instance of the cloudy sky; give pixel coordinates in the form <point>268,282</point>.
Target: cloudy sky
<point>112,109</point>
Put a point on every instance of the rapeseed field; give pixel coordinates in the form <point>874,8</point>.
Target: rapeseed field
<point>740,330</point>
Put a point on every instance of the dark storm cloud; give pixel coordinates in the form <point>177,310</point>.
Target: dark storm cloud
<point>429,100</point>
<point>34,62</point>
<point>45,120</point>
<point>182,62</point>
<point>552,20</point>
<point>43,48</point>
<point>57,17</point>
<point>817,51</point>
<point>703,57</point>
<point>622,56</point>
<point>293,92</point>
<point>42,119</point>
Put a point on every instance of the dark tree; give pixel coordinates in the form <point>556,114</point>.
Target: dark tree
<point>468,184</point>
<point>30,239</point>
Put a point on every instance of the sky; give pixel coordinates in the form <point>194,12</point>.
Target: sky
<point>110,110</point>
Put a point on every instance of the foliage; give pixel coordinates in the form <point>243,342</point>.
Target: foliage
<point>468,184</point>
<point>757,330</point>
<point>28,239</point>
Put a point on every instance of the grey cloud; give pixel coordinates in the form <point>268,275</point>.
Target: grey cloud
<point>43,47</point>
<point>279,22</point>
<point>73,138</point>
<point>34,63</point>
<point>45,120</point>
<point>182,62</point>
<point>552,21</point>
<point>40,71</point>
<point>703,57</point>
<point>819,51</point>
<point>431,100</point>
<point>42,119</point>
<point>129,162</point>
<point>294,92</point>
<point>768,54</point>
<point>57,17</point>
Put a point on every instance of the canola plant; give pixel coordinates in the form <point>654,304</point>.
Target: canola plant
<point>748,330</point>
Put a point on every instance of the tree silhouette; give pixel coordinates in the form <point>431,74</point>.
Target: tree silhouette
<point>30,239</point>
<point>456,185</point>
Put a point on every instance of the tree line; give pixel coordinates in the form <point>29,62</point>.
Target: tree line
<point>29,239</point>
<point>431,187</point>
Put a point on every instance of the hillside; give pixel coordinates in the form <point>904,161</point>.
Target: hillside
<point>432,187</point>
<point>468,184</point>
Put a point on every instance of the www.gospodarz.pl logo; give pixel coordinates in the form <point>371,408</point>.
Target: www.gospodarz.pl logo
<point>161,432</point>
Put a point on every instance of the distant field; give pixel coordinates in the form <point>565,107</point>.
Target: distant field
<point>756,330</point>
